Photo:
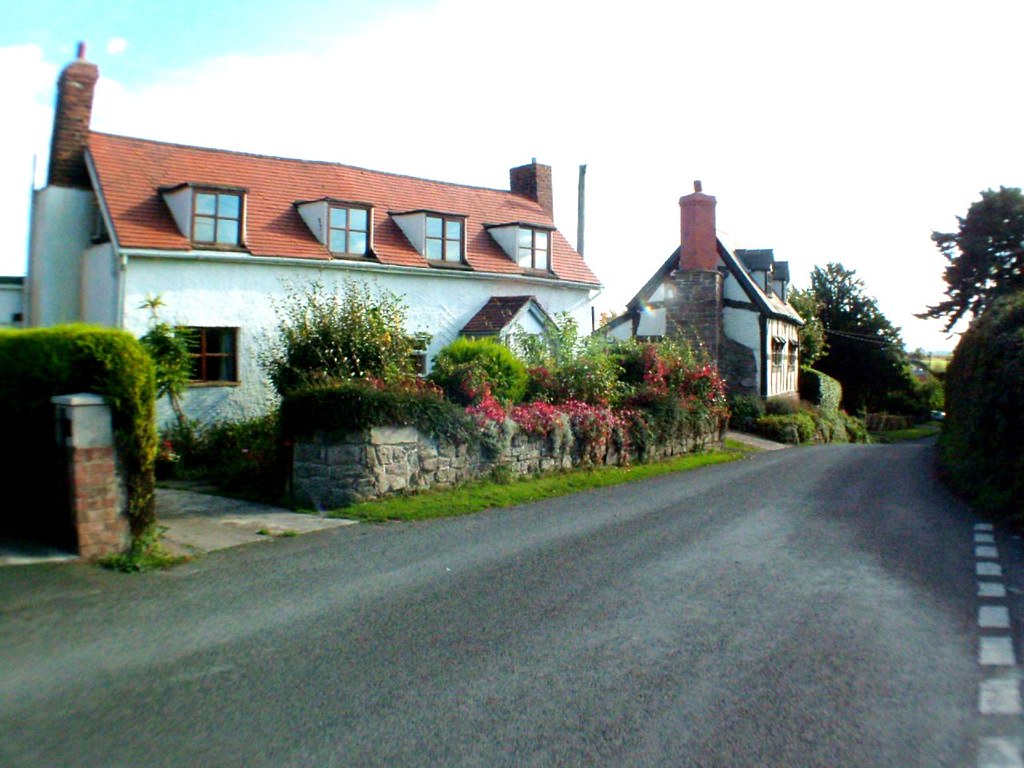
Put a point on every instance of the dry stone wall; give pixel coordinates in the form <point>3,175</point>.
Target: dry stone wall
<point>330,471</point>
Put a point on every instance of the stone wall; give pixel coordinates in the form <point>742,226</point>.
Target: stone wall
<point>330,471</point>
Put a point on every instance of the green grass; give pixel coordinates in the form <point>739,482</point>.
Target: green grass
<point>921,431</point>
<point>477,496</point>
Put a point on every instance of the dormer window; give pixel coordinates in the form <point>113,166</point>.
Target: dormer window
<point>217,217</point>
<point>349,230</point>
<point>444,238</point>
<point>534,248</point>
<point>528,245</point>
<point>208,215</point>
<point>437,237</point>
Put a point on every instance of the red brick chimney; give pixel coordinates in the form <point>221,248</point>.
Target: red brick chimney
<point>71,123</point>
<point>534,181</point>
<point>698,239</point>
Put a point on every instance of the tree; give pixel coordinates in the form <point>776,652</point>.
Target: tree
<point>865,351</point>
<point>172,359</point>
<point>812,335</point>
<point>985,256</point>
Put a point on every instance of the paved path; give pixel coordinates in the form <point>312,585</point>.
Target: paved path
<point>199,522</point>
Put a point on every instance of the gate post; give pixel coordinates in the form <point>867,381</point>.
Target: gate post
<point>96,493</point>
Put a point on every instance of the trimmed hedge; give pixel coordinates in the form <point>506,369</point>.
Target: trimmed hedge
<point>357,405</point>
<point>821,390</point>
<point>39,364</point>
<point>982,442</point>
<point>463,367</point>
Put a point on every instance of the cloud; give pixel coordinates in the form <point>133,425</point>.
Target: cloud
<point>116,46</point>
<point>26,135</point>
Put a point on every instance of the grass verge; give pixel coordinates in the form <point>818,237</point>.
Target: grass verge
<point>477,496</point>
<point>921,431</point>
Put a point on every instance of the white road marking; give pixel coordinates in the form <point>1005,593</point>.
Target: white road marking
<point>1000,753</point>
<point>996,652</point>
<point>983,526</point>
<point>989,569</point>
<point>991,589</point>
<point>984,538</point>
<point>997,616</point>
<point>999,696</point>
<point>986,552</point>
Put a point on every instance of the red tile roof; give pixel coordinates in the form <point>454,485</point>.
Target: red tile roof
<point>132,171</point>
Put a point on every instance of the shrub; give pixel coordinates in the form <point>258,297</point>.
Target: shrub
<point>356,405</point>
<point>326,337</point>
<point>982,442</point>
<point>38,364</point>
<point>462,368</point>
<point>781,406</point>
<point>856,430</point>
<point>820,389</point>
<point>745,410</point>
<point>248,457</point>
<point>787,428</point>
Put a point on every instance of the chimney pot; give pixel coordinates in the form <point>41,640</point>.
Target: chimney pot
<point>81,51</point>
<point>697,187</point>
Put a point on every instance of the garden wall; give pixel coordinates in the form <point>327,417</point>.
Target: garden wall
<point>332,471</point>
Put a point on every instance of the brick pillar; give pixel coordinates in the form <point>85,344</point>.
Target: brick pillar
<point>96,492</point>
<point>693,312</point>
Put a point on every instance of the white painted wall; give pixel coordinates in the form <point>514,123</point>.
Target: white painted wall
<point>782,379</point>
<point>240,291</point>
<point>12,302</point>
<point>98,295</point>
<point>61,230</point>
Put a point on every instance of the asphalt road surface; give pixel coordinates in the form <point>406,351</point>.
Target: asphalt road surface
<point>810,607</point>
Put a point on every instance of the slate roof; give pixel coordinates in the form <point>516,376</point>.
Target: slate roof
<point>131,172</point>
<point>497,313</point>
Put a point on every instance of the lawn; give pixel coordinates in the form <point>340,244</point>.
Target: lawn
<point>475,497</point>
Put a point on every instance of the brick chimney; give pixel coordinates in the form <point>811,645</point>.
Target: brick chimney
<point>698,239</point>
<point>71,123</point>
<point>534,181</point>
<point>693,307</point>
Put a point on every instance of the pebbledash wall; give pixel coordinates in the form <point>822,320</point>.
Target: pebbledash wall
<point>330,471</point>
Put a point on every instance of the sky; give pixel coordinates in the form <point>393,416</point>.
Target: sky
<point>830,132</point>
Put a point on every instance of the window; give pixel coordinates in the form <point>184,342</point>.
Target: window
<point>534,248</point>
<point>794,348</point>
<point>217,217</point>
<point>443,239</point>
<point>349,230</point>
<point>778,344</point>
<point>214,354</point>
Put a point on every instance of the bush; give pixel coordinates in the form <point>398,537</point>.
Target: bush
<point>325,337</point>
<point>464,367</point>
<point>591,378</point>
<point>821,390</point>
<point>357,405</point>
<point>745,410</point>
<point>781,406</point>
<point>982,441</point>
<point>247,457</point>
<point>789,428</point>
<point>38,364</point>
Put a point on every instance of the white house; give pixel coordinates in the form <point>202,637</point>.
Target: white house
<point>221,236</point>
<point>11,301</point>
<point>732,305</point>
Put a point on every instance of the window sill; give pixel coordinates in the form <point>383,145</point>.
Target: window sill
<point>457,265</point>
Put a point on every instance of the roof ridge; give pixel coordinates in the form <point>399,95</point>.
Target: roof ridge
<point>333,164</point>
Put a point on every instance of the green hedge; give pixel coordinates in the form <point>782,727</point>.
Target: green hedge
<point>38,364</point>
<point>788,428</point>
<point>821,390</point>
<point>355,406</point>
<point>982,442</point>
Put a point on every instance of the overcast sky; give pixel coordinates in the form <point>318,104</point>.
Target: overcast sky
<point>842,132</point>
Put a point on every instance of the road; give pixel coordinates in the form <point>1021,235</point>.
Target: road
<point>809,607</point>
